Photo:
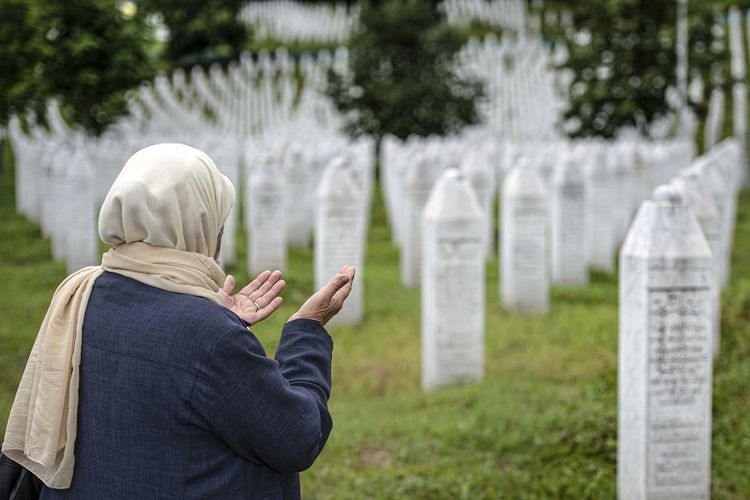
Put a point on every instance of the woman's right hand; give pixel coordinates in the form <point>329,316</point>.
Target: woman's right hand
<point>328,301</point>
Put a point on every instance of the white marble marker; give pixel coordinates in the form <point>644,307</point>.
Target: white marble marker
<point>452,284</point>
<point>665,361</point>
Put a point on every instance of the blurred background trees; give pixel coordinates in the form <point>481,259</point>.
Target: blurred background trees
<point>400,79</point>
<point>622,60</point>
<point>85,53</point>
<point>200,31</point>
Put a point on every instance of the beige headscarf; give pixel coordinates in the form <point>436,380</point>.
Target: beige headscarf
<point>162,217</point>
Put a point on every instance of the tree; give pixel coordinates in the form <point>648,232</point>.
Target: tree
<point>622,56</point>
<point>200,31</point>
<point>401,78</point>
<point>97,55</point>
<point>20,55</point>
<point>85,53</point>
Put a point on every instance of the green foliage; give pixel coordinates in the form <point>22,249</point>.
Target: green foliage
<point>20,56</point>
<point>98,55</point>
<point>622,56</point>
<point>401,77</point>
<point>201,31</point>
<point>83,52</point>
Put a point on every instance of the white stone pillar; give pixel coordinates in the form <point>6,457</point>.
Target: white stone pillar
<point>299,195</point>
<point>689,185</point>
<point>482,178</point>
<point>600,223</point>
<point>340,235</point>
<point>81,243</point>
<point>453,291</point>
<point>265,217</point>
<point>720,193</point>
<point>524,278</point>
<point>665,361</point>
<point>418,182</point>
<point>568,224</point>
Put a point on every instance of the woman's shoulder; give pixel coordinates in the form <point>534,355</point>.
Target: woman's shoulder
<point>115,294</point>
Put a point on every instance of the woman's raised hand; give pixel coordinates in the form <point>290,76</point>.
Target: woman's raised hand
<point>256,301</point>
<point>328,301</point>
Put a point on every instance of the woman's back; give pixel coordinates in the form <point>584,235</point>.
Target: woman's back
<point>173,392</point>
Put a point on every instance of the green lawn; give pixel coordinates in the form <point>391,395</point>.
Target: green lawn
<point>541,425</point>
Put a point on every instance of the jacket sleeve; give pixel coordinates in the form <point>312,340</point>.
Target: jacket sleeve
<point>273,411</point>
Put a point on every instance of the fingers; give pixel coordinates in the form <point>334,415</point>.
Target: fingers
<point>340,296</point>
<point>270,295</point>
<point>256,283</point>
<point>229,284</point>
<point>271,280</point>
<point>266,311</point>
<point>336,283</point>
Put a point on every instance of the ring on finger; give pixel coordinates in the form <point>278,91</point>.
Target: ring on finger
<point>257,307</point>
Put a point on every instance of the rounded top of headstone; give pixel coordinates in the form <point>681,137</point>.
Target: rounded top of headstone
<point>667,193</point>
<point>568,171</point>
<point>452,198</point>
<point>453,173</point>
<point>524,180</point>
<point>339,181</point>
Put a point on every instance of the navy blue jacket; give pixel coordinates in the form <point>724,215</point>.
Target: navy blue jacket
<point>177,399</point>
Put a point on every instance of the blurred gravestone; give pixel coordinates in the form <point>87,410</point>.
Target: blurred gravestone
<point>299,195</point>
<point>481,176</point>
<point>81,242</point>
<point>418,182</point>
<point>689,185</point>
<point>523,243</point>
<point>340,234</point>
<point>452,284</point>
<point>266,217</point>
<point>665,361</point>
<point>600,224</point>
<point>568,229</point>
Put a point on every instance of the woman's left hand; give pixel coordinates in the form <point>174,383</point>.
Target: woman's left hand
<point>256,301</point>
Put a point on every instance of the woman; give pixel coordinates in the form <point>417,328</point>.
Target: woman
<point>144,381</point>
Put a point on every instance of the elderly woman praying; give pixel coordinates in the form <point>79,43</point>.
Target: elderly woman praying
<point>144,380</point>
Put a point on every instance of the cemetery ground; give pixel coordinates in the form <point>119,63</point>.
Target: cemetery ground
<point>542,424</point>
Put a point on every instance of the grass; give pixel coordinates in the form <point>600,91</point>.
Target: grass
<point>542,424</point>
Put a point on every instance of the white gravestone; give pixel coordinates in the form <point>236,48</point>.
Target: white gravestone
<point>481,175</point>
<point>720,193</point>
<point>568,227</point>
<point>81,241</point>
<point>265,217</point>
<point>418,182</point>
<point>340,234</point>
<point>453,294</point>
<point>224,154</point>
<point>600,223</point>
<point>690,186</point>
<point>524,277</point>
<point>298,199</point>
<point>665,361</point>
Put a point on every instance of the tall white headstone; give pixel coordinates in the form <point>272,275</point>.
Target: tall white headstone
<point>600,222</point>
<point>299,196</point>
<point>689,185</point>
<point>665,361</point>
<point>418,181</point>
<point>81,242</point>
<point>482,178</point>
<point>568,224</point>
<point>453,291</point>
<point>340,234</point>
<point>265,217</point>
<point>524,276</point>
